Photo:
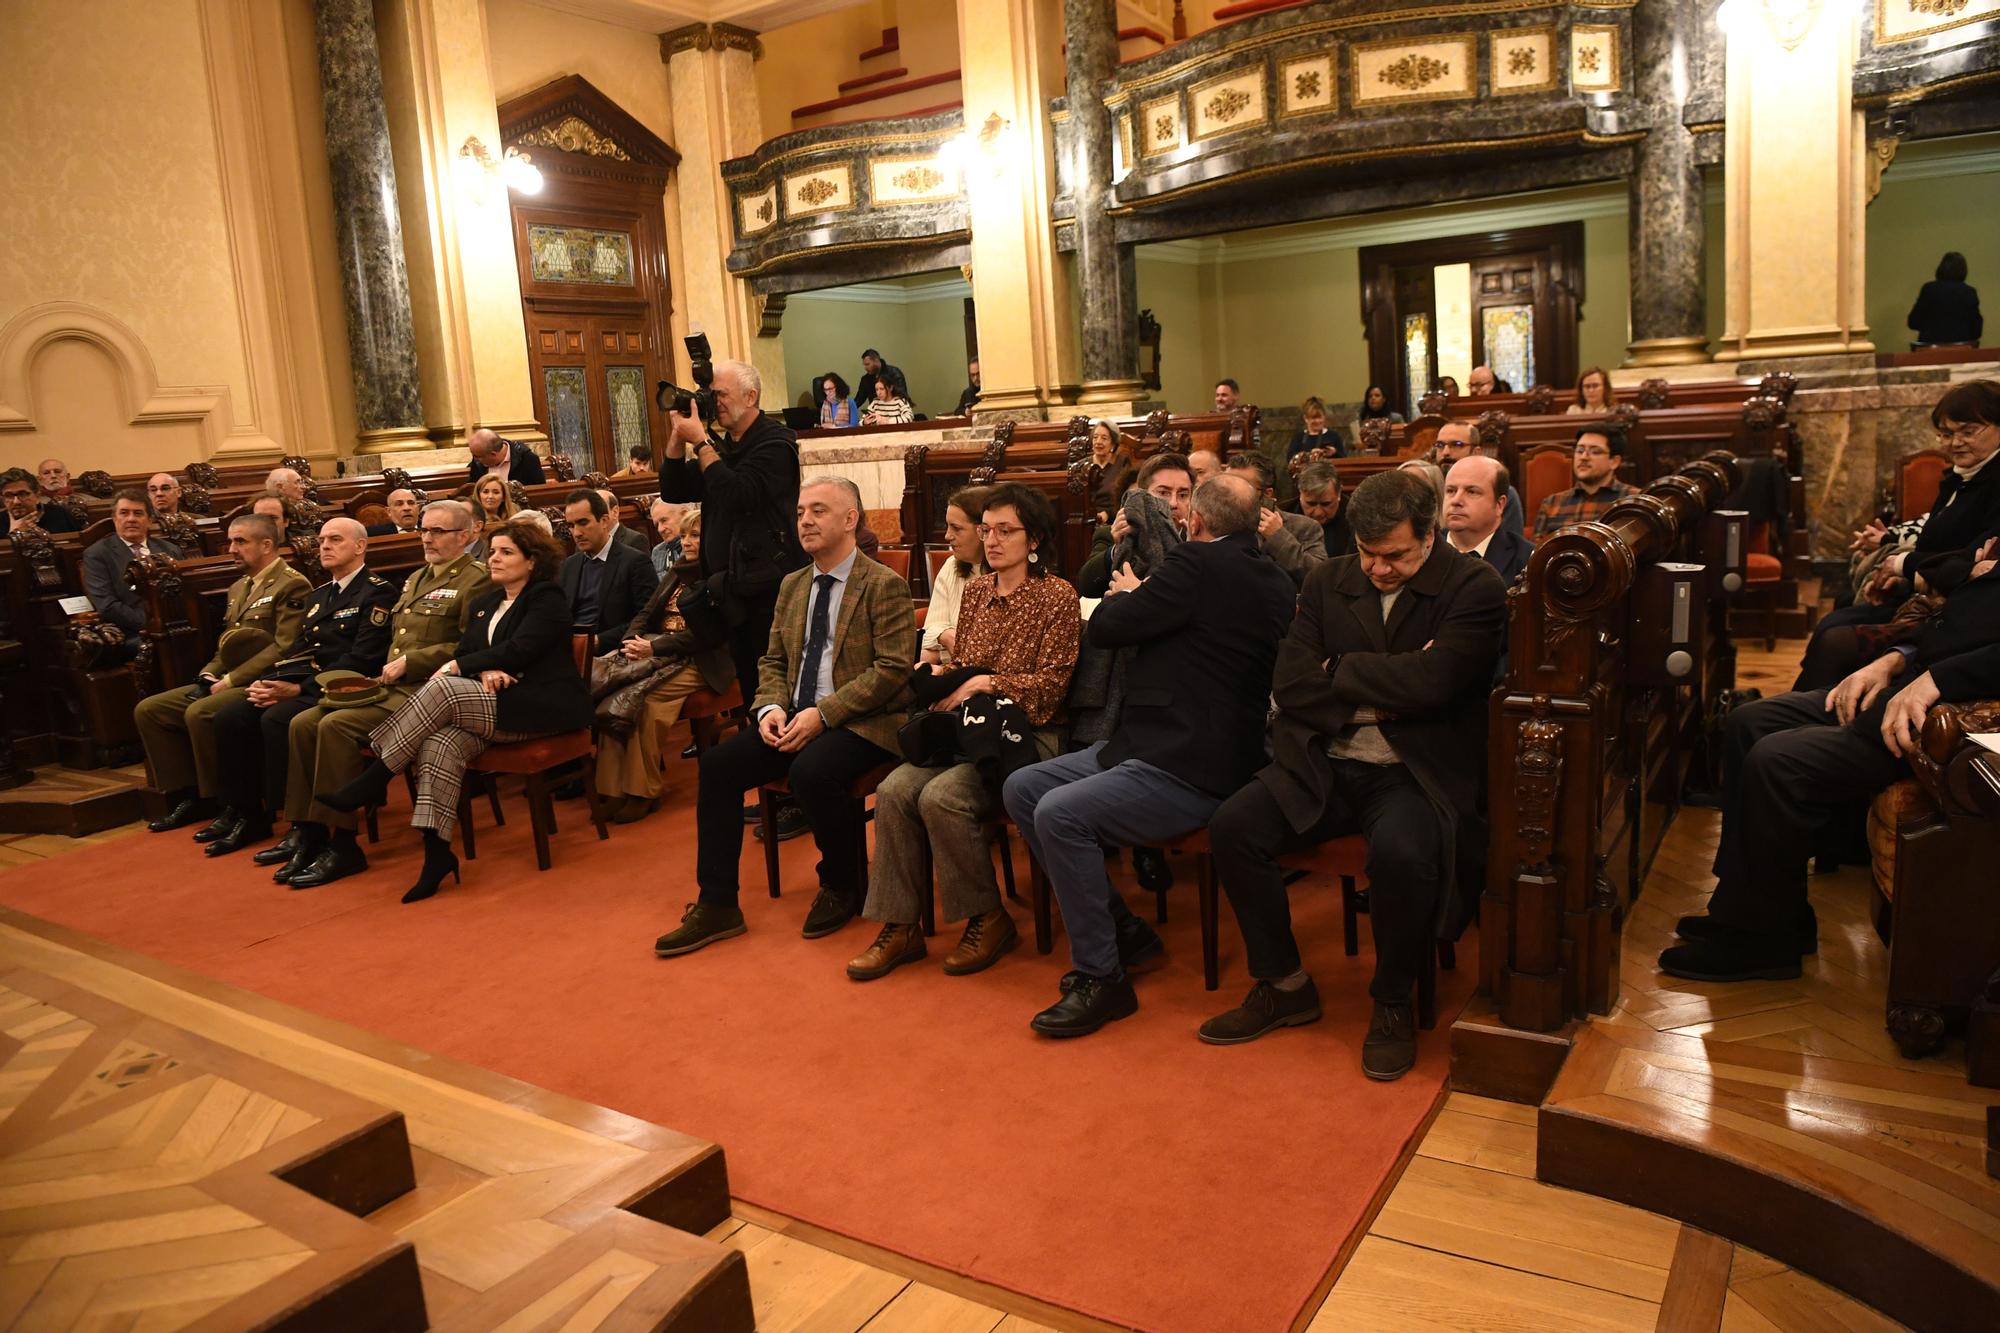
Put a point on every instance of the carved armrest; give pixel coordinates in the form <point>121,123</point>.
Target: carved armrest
<point>1962,777</point>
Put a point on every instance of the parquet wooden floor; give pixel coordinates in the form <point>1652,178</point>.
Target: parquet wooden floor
<point>1467,1238</point>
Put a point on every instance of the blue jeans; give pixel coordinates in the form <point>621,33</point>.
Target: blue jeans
<point>1069,810</point>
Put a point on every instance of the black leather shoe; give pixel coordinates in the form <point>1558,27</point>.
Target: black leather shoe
<point>182,813</point>
<point>249,829</point>
<point>702,924</point>
<point>1150,868</point>
<point>337,861</point>
<point>311,843</point>
<point>282,850</point>
<point>1695,929</point>
<point>692,752</point>
<point>1088,1003</point>
<point>1139,945</point>
<point>830,911</point>
<point>221,824</point>
<point>1733,956</point>
<point>1264,1008</point>
<point>791,823</point>
<point>1391,1045</point>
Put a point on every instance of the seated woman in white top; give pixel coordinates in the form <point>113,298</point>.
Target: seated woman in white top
<point>967,562</point>
<point>1594,394</point>
<point>891,404</point>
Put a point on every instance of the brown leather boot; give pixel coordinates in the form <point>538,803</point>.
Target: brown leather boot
<point>986,937</point>
<point>893,946</point>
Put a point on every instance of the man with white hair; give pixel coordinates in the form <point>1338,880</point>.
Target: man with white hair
<point>346,628</point>
<point>509,460</point>
<point>286,485</point>
<point>666,519</point>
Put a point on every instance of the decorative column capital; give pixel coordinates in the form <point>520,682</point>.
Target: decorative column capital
<point>730,37</point>
<point>710,37</point>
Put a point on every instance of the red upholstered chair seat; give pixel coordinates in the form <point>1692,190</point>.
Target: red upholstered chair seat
<point>531,756</point>
<point>533,760</point>
<point>1761,568</point>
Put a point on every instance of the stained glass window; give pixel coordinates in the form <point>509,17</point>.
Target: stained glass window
<point>569,415</point>
<point>579,254</point>
<point>625,389</point>
<point>1416,359</point>
<point>1510,344</point>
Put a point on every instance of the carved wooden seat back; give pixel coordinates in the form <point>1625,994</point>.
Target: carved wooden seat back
<point>1545,470</point>
<point>1918,477</point>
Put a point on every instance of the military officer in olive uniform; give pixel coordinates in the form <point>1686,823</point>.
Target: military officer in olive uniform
<point>177,727</point>
<point>346,629</point>
<point>327,740</point>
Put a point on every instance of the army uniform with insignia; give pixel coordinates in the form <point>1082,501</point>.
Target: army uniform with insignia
<point>177,726</point>
<point>345,629</point>
<point>326,741</point>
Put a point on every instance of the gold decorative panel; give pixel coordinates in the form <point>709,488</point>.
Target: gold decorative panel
<point>1160,125</point>
<point>1228,103</point>
<point>1421,70</point>
<point>589,255</point>
<point>1522,60</point>
<point>1593,58</point>
<point>1124,144</point>
<point>911,180</point>
<point>820,190</point>
<point>572,135</point>
<point>1901,20</point>
<point>758,210</point>
<point>1306,85</point>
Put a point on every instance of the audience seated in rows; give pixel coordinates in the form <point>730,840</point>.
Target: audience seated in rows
<point>1594,465</point>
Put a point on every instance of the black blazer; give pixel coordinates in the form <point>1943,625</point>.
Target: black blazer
<point>1508,553</point>
<point>104,580</point>
<point>628,581</point>
<point>1947,312</point>
<point>749,500</point>
<point>534,648</point>
<point>523,465</point>
<point>1204,629</point>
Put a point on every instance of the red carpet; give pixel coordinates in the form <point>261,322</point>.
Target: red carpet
<point>1137,1175</point>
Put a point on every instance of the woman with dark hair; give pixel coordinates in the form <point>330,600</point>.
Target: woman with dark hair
<point>892,403</point>
<point>835,407</point>
<point>1947,309</point>
<point>1018,629</point>
<point>514,677</point>
<point>1594,394</point>
<point>1448,386</point>
<point>1115,467</point>
<point>1375,403</point>
<point>968,560</point>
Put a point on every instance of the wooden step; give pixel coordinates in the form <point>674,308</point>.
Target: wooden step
<point>886,99</point>
<point>879,76</point>
<point>890,45</point>
<point>73,802</point>
<point>173,1150</point>
<point>1868,1178</point>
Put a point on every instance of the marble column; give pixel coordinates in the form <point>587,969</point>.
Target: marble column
<point>1107,305</point>
<point>374,279</point>
<point>1669,305</point>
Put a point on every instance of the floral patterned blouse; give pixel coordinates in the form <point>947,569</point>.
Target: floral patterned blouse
<point>1027,639</point>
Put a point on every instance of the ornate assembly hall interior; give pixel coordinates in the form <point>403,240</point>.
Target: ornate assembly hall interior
<point>1615,889</point>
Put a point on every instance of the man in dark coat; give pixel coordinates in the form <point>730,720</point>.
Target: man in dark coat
<point>606,581</point>
<point>1381,730</point>
<point>21,496</point>
<point>1476,500</point>
<point>1203,630</point>
<point>114,599</point>
<point>513,460</point>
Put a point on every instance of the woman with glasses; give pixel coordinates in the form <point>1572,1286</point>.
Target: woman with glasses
<point>1017,636</point>
<point>1594,394</point>
<point>968,560</point>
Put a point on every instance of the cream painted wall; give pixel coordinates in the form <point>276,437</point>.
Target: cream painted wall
<point>1936,196</point>
<point>529,45</point>
<point>806,62</point>
<point>925,337</point>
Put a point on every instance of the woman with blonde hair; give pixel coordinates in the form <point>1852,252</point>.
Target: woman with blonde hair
<point>1593,392</point>
<point>1115,467</point>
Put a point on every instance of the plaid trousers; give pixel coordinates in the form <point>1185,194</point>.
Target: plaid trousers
<point>446,725</point>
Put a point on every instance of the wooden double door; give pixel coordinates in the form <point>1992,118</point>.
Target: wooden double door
<point>593,373</point>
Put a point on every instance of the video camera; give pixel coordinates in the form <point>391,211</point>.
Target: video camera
<point>700,399</point>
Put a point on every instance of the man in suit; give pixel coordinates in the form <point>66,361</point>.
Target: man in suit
<point>832,690</point>
<point>104,563</point>
<point>325,742</point>
<point>1381,729</point>
<point>163,492</point>
<point>606,581</point>
<point>22,506</point>
<point>1458,440</point>
<point>1476,499</point>
<point>404,511</point>
<point>623,535</point>
<point>346,628</point>
<point>1795,763</point>
<point>1319,500</point>
<point>177,727</point>
<point>511,459</point>
<point>1203,630</point>
<point>1295,543</point>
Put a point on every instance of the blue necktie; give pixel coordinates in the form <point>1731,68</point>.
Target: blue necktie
<point>808,691</point>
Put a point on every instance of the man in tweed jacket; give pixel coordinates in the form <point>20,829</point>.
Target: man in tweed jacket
<point>832,689</point>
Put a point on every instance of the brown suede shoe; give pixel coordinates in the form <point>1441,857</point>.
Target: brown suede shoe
<point>986,937</point>
<point>893,946</point>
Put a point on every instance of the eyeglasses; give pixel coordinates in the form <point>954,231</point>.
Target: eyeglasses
<point>1592,451</point>
<point>1961,434</point>
<point>1006,532</point>
<point>439,532</point>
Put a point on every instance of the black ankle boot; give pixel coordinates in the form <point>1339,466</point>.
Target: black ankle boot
<point>439,861</point>
<point>371,788</point>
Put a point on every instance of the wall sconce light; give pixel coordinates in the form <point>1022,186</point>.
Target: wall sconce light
<point>994,144</point>
<point>515,168</point>
<point>1788,20</point>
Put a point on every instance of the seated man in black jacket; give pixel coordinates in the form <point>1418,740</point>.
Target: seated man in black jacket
<point>1203,629</point>
<point>513,460</point>
<point>1794,762</point>
<point>20,493</point>
<point>1381,729</point>
<point>606,581</point>
<point>111,595</point>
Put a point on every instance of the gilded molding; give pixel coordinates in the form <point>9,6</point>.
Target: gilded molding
<point>710,37</point>
<point>730,37</point>
<point>1951,13</point>
<point>572,135</point>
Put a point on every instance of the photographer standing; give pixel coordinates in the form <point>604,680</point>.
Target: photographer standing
<point>746,479</point>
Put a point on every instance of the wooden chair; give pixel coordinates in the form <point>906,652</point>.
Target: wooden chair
<point>936,556</point>
<point>996,829</point>
<point>864,787</point>
<point>533,761</point>
<point>1196,844</point>
<point>1763,572</point>
<point>1348,858</point>
<point>1042,900</point>
<point>1917,480</point>
<point>706,711</point>
<point>896,558</point>
<point>1546,470</point>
